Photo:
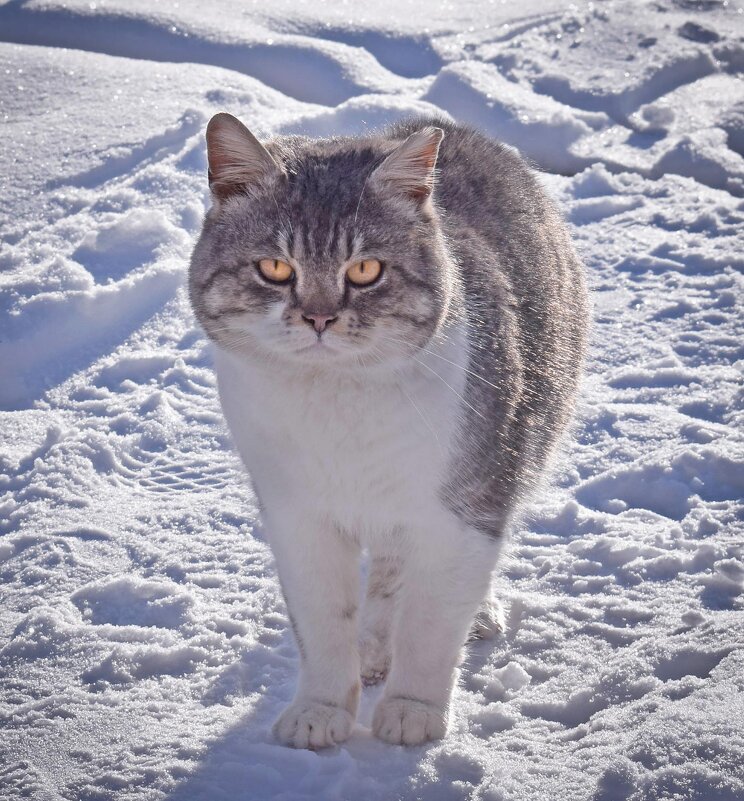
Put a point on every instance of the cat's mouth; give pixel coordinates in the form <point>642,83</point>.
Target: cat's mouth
<point>320,348</point>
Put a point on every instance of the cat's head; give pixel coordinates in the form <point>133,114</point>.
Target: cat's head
<point>321,252</point>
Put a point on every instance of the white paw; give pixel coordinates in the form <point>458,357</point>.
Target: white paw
<point>403,721</point>
<point>489,621</point>
<point>375,660</point>
<point>311,724</point>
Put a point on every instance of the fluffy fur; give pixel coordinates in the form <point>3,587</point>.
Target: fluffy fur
<point>412,426</point>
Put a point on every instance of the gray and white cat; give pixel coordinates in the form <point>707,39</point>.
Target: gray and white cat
<point>400,321</point>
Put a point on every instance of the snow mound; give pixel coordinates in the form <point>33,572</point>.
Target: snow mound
<point>131,602</point>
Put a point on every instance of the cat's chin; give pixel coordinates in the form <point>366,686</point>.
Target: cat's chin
<point>326,357</point>
<point>322,356</point>
<point>314,356</point>
<point>375,358</point>
<point>370,359</point>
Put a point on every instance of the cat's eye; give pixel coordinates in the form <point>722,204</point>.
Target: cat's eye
<point>275,270</point>
<point>363,273</point>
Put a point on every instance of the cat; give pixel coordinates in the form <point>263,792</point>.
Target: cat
<point>400,321</point>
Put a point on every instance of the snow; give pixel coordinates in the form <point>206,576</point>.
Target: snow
<point>144,645</point>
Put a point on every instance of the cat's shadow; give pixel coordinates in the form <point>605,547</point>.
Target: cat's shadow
<point>246,762</point>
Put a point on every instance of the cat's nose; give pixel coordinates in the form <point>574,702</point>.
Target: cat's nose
<point>319,321</point>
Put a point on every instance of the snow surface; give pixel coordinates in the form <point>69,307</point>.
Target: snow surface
<point>144,646</point>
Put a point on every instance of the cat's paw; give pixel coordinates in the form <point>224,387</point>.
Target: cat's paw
<point>374,655</point>
<point>404,721</point>
<point>311,724</point>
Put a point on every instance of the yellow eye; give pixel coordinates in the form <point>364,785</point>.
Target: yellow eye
<point>364,272</point>
<point>276,271</point>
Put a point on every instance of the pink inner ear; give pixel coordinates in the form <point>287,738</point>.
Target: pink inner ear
<point>236,158</point>
<point>427,160</point>
<point>409,169</point>
<point>429,156</point>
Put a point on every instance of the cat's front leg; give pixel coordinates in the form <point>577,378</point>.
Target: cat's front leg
<point>318,570</point>
<point>446,575</point>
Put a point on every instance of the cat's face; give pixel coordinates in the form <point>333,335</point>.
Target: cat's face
<point>322,253</point>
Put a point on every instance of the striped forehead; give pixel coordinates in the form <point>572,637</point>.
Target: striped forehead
<point>321,201</point>
<point>326,241</point>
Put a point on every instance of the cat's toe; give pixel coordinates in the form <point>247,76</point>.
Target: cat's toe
<point>404,721</point>
<point>375,661</point>
<point>311,724</point>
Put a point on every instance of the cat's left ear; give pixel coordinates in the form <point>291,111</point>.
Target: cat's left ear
<point>237,160</point>
<point>409,170</point>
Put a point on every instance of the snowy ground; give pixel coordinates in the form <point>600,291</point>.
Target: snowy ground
<point>144,647</point>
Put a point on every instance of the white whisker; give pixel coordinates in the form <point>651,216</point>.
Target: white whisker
<point>418,361</point>
<point>421,415</point>
<point>449,361</point>
<point>364,186</point>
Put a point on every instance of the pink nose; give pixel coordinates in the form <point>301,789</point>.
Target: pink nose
<point>319,321</point>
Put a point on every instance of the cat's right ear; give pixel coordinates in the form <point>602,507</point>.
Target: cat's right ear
<point>409,170</point>
<point>236,158</point>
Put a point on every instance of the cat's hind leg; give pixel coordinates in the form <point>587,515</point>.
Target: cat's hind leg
<point>377,618</point>
<point>489,621</point>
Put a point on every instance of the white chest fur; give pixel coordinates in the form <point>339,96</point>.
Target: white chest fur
<point>366,450</point>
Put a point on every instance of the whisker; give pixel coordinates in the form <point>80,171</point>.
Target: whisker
<point>364,186</point>
<point>450,387</point>
<point>222,330</point>
<point>421,415</point>
<point>449,361</point>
